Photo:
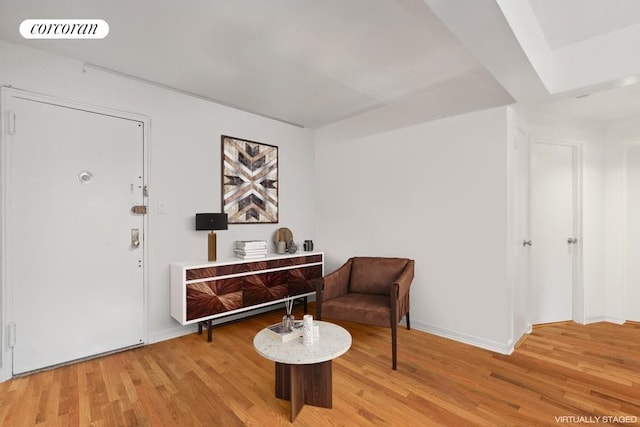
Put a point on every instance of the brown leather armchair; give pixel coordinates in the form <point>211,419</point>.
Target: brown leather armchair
<point>368,290</point>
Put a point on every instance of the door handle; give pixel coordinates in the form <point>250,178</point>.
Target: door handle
<point>526,243</point>
<point>135,238</point>
<point>572,240</point>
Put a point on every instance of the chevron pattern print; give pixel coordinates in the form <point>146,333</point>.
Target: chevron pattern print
<point>249,181</point>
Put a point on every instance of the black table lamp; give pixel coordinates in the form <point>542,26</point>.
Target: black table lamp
<point>211,221</point>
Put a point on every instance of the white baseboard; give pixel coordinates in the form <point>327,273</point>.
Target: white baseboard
<point>171,333</point>
<point>487,344</point>
<point>179,331</point>
<point>610,319</point>
<point>503,348</point>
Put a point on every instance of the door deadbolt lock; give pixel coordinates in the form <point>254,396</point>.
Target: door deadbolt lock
<point>139,210</point>
<point>572,240</point>
<point>135,238</point>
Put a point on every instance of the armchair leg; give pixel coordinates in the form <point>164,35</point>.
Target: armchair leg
<point>408,321</point>
<point>394,342</point>
<point>319,304</point>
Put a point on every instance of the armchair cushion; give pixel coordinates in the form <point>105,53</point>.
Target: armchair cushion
<point>362,308</point>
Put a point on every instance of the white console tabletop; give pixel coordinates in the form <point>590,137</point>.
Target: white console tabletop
<point>236,260</point>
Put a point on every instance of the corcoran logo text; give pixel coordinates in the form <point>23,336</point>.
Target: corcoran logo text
<point>64,29</point>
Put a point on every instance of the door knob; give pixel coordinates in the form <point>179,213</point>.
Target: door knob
<point>572,240</point>
<point>526,243</point>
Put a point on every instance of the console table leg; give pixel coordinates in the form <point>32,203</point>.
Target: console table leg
<point>209,330</point>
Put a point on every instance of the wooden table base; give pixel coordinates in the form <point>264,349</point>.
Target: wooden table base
<point>304,384</point>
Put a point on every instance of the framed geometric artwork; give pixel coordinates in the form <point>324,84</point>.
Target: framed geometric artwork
<point>249,181</point>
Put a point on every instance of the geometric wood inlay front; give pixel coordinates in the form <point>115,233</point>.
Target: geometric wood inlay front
<point>226,294</point>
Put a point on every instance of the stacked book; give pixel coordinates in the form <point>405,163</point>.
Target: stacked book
<point>250,249</point>
<point>279,332</point>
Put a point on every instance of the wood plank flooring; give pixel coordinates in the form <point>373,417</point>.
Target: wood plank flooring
<point>560,375</point>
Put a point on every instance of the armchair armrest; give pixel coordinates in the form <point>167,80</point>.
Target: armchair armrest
<point>336,283</point>
<point>399,296</point>
<point>332,285</point>
<point>403,283</point>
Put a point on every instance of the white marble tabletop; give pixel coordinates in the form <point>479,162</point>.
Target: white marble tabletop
<point>334,342</point>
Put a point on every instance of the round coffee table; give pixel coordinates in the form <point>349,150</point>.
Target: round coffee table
<point>303,372</point>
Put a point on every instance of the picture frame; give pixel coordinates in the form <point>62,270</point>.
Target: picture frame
<point>249,181</point>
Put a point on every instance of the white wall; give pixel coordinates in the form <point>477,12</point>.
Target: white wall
<point>437,193</point>
<point>184,161</point>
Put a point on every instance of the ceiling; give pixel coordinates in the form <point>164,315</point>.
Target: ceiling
<point>316,63</point>
<point>566,22</point>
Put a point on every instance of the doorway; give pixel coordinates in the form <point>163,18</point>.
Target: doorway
<point>555,218</point>
<point>75,251</point>
<point>631,233</point>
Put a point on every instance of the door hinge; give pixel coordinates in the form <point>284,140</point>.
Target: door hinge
<point>11,123</point>
<point>12,334</point>
<point>139,209</point>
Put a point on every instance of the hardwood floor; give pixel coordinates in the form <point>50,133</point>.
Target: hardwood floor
<point>559,375</point>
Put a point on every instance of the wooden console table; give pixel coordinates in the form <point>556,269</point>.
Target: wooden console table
<point>203,291</point>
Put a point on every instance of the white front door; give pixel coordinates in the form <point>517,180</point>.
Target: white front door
<point>74,269</point>
<point>552,227</point>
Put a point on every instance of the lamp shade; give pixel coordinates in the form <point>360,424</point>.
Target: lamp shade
<point>211,221</point>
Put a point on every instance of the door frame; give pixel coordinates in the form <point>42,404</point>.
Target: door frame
<point>577,285</point>
<point>6,289</point>
<point>521,229</point>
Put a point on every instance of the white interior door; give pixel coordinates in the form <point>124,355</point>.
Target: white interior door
<point>76,279</point>
<point>552,225</point>
<point>632,234</point>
